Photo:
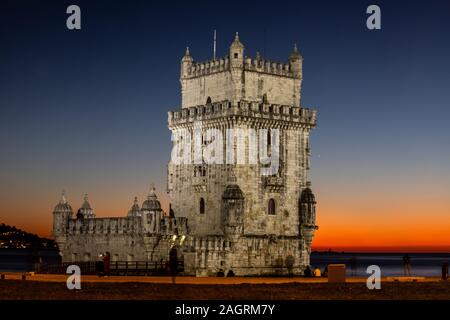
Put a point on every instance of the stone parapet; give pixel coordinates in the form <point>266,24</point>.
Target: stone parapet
<point>244,109</point>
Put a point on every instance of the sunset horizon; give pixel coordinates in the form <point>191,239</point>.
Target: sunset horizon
<point>411,238</point>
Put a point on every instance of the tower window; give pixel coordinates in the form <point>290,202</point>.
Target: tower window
<point>271,207</point>
<point>236,55</point>
<point>202,206</point>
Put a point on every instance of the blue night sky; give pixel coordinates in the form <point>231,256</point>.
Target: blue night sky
<point>86,110</point>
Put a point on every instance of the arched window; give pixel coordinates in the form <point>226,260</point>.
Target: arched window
<point>202,205</point>
<point>271,207</point>
<point>208,100</point>
<point>236,55</point>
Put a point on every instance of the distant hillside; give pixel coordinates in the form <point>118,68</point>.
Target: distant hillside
<point>13,238</point>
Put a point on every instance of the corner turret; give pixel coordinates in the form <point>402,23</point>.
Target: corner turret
<point>237,52</point>
<point>237,69</point>
<point>307,217</point>
<point>61,215</point>
<point>186,63</point>
<point>295,62</point>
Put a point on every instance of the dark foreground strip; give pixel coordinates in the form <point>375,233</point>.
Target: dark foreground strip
<point>257,309</point>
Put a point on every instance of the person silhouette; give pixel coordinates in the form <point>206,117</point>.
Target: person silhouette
<point>308,272</point>
<point>445,271</point>
<point>407,265</point>
<point>106,264</point>
<point>173,263</point>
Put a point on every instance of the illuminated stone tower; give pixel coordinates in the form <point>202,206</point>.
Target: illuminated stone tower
<point>241,199</point>
<point>238,218</point>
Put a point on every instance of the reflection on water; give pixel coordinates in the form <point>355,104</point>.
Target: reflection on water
<point>391,264</point>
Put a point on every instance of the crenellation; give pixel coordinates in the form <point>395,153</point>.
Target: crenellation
<point>238,77</point>
<point>202,68</point>
<point>248,109</point>
<point>269,67</point>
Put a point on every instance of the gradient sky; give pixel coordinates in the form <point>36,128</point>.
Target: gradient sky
<point>86,111</point>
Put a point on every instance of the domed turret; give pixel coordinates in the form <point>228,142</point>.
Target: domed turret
<point>135,211</point>
<point>307,227</point>
<point>86,210</point>
<point>152,203</point>
<point>308,196</point>
<point>307,207</point>
<point>63,206</point>
<point>61,215</point>
<point>151,213</point>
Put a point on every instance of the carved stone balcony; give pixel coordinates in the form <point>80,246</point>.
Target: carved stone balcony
<point>273,183</point>
<point>199,183</point>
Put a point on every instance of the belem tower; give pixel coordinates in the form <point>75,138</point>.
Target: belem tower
<point>223,215</point>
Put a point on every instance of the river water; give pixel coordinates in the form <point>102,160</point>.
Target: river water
<point>391,264</point>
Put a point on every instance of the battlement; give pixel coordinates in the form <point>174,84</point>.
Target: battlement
<point>237,77</point>
<point>198,69</point>
<point>117,225</point>
<point>269,66</point>
<point>208,67</point>
<point>245,109</point>
<point>123,225</point>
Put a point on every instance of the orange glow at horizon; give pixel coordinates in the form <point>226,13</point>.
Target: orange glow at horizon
<point>400,224</point>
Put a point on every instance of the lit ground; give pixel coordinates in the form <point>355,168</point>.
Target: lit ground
<point>54,287</point>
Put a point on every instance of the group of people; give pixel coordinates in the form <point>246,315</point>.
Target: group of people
<point>221,273</point>
<point>316,272</point>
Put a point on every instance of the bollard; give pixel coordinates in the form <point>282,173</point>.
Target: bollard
<point>336,273</point>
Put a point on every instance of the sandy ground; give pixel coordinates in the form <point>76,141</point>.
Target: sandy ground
<point>190,288</point>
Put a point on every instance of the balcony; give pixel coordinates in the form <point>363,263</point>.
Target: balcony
<point>273,183</point>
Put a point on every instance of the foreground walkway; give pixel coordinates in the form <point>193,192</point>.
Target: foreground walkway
<point>204,280</point>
